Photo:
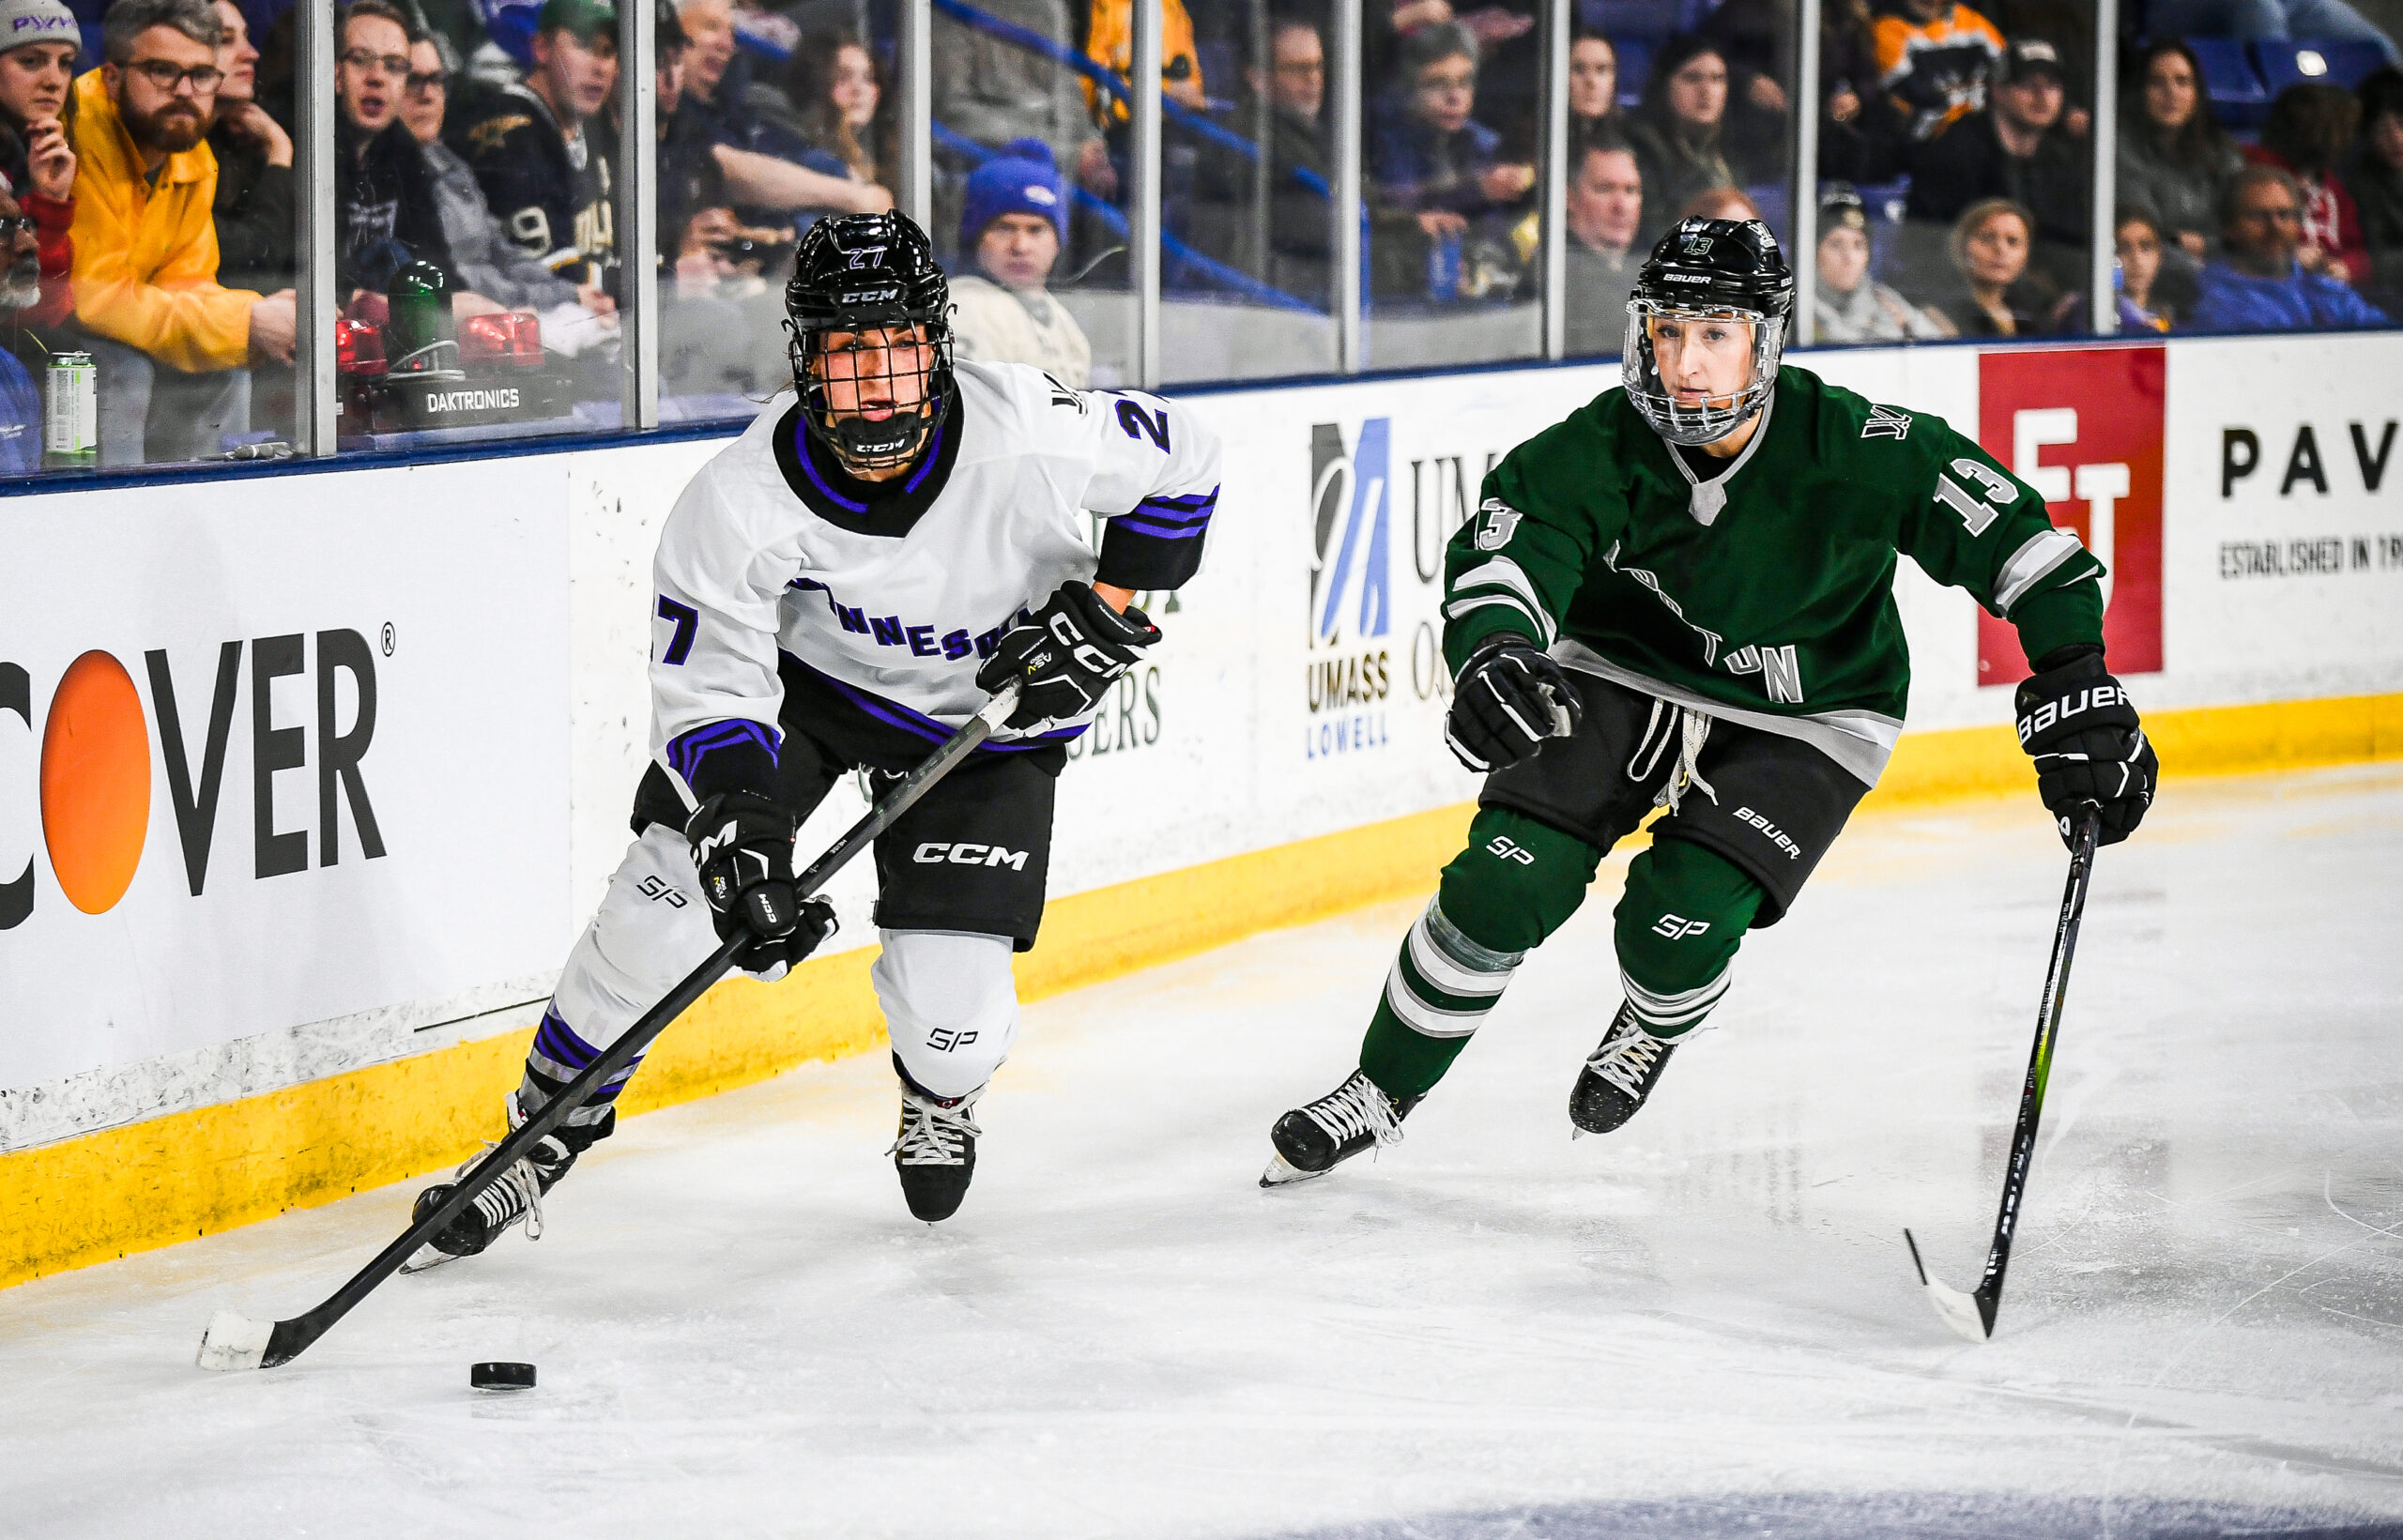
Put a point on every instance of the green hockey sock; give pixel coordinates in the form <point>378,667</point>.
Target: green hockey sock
<point>1684,911</point>
<point>1514,885</point>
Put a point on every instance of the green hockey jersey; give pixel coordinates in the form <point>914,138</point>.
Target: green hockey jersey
<point>1763,594</point>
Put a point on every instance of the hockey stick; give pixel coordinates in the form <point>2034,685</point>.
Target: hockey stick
<point>1972,1315</point>
<point>234,1341</point>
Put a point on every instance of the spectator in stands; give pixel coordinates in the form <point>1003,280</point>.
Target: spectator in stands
<point>2258,284</point>
<point>1677,128</point>
<point>992,91</point>
<point>714,82</point>
<point>1606,242</point>
<point>2326,20</point>
<point>2308,133</point>
<point>538,152</point>
<point>487,260</point>
<point>1848,304</point>
<point>689,178</point>
<point>1015,221</point>
<point>1110,42</point>
<point>1861,130</point>
<point>2374,174</point>
<point>1286,113</point>
<point>35,159</point>
<point>254,207</point>
<point>383,210</point>
<point>21,289</point>
<point>2138,244</point>
<point>2173,158</point>
<point>841,107</point>
<point>1594,112</point>
<point>1755,39</point>
<point>168,342</point>
<point>1934,59</point>
<point>2012,148</point>
<point>1431,160</point>
<point>1989,249</point>
<point>1721,203</point>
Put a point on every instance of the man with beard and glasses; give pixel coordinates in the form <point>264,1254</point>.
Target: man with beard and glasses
<point>171,344</point>
<point>21,289</point>
<point>39,41</point>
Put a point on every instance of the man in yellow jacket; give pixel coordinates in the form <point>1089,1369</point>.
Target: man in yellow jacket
<point>171,345</point>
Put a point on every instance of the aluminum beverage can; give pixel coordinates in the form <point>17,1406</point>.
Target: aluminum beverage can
<point>71,416</point>
<point>1444,269</point>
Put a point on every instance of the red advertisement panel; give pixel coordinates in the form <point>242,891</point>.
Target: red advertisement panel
<point>2083,428</point>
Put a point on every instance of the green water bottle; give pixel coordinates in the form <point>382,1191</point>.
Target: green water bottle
<point>423,335</point>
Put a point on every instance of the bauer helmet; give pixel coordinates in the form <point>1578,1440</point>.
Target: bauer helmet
<point>1704,270</point>
<point>859,273</point>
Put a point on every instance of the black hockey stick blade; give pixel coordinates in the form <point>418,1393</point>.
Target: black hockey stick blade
<point>1972,1314</point>
<point>235,1341</point>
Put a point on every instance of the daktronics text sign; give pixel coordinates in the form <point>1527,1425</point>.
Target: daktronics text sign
<point>2085,427</point>
<point>98,750</point>
<point>274,753</point>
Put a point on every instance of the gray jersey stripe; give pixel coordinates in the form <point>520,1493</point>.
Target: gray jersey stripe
<point>2027,566</point>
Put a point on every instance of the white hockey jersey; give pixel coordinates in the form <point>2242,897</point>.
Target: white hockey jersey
<point>895,594</point>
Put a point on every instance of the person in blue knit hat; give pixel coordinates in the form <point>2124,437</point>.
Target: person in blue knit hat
<point>1011,229</point>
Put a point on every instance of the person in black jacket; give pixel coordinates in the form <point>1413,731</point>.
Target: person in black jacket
<point>2014,148</point>
<point>384,210</point>
<point>1297,225</point>
<point>254,209</point>
<point>537,150</point>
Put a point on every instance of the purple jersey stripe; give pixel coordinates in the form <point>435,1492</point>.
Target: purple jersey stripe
<point>1156,531</point>
<point>918,723</point>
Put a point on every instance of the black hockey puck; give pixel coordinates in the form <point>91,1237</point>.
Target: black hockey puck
<point>501,1377</point>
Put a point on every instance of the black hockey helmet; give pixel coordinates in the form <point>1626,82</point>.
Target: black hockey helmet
<point>1703,270</point>
<point>856,273</point>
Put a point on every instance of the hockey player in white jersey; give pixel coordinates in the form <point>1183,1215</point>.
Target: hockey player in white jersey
<point>841,587</point>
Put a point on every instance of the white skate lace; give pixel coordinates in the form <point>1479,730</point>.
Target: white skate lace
<point>514,1192</point>
<point>1356,1107</point>
<point>934,1135</point>
<point>1626,1057</point>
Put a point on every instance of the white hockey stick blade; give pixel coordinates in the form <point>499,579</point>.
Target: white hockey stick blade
<point>234,1341</point>
<point>1954,1308</point>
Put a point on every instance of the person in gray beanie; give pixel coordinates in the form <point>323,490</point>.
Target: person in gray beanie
<point>39,42</point>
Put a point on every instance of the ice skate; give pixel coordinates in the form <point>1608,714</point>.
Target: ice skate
<point>1312,1140</point>
<point>936,1151</point>
<point>1621,1073</point>
<point>516,1197</point>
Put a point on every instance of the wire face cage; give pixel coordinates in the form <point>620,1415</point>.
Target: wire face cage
<point>872,394</point>
<point>1714,418</point>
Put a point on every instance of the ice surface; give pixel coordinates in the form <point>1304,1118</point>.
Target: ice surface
<point>1703,1325</point>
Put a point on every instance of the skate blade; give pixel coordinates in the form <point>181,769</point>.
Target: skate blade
<point>428,1256</point>
<point>1283,1173</point>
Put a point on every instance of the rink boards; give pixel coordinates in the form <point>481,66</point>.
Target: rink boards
<point>307,780</point>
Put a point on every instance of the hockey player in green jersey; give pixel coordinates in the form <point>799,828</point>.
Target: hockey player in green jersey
<point>1681,597</point>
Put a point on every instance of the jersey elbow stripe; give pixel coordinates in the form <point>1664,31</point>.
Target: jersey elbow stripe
<point>1458,608</point>
<point>686,751</point>
<point>2030,564</point>
<point>1506,574</point>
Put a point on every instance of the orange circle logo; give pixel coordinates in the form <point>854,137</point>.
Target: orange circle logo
<point>94,782</point>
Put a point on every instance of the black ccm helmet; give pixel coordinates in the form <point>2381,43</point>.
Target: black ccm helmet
<point>854,273</point>
<point>1708,269</point>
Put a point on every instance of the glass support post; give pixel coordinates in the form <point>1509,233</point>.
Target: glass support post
<point>1344,96</point>
<point>1805,106</point>
<point>638,215</point>
<point>1553,234</point>
<point>315,429</point>
<point>2105,137</point>
<point>1263,69</point>
<point>917,173</point>
<point>1143,226</point>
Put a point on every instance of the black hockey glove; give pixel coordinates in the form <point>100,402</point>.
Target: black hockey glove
<point>2077,722</point>
<point>743,848</point>
<point>1067,661</point>
<point>1508,698</point>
